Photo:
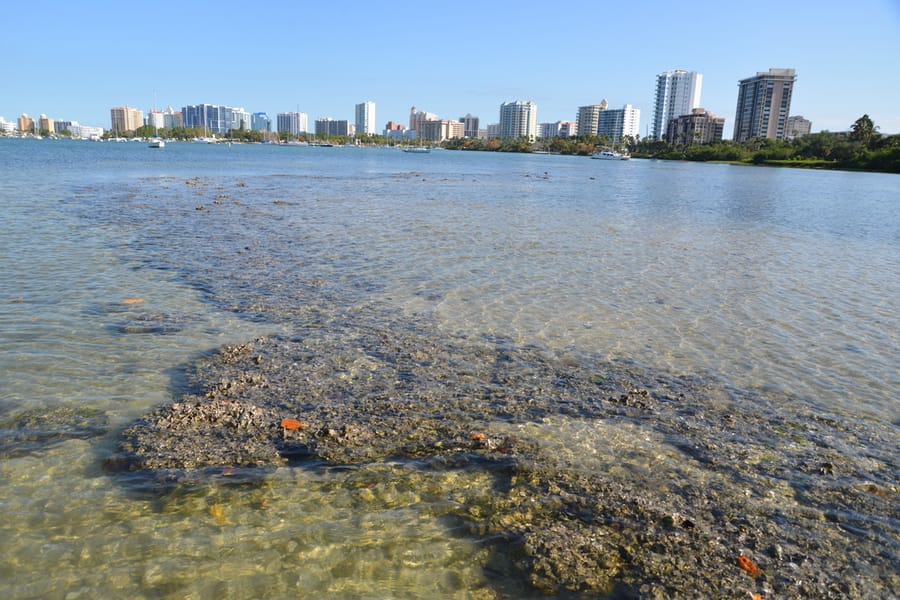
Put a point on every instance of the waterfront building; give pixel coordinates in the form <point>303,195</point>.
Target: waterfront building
<point>156,119</point>
<point>763,106</point>
<point>45,123</point>
<point>260,121</point>
<point>492,131</point>
<point>365,118</point>
<point>561,129</point>
<point>518,120</point>
<point>214,118</point>
<point>440,130</point>
<point>295,123</point>
<point>25,123</point>
<point>172,118</point>
<point>7,127</point>
<point>125,118</point>
<point>588,118</point>
<point>470,125</point>
<point>796,127</point>
<point>60,126</point>
<point>85,132</point>
<point>615,124</point>
<point>619,123</point>
<point>394,131</point>
<point>328,126</point>
<point>417,117</point>
<point>677,93</point>
<point>698,127</point>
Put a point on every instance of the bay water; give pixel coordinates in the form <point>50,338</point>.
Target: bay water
<point>781,281</point>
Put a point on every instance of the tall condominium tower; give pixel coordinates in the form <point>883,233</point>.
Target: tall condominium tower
<point>588,118</point>
<point>763,106</point>
<point>365,118</point>
<point>598,119</point>
<point>677,93</point>
<point>295,123</point>
<point>518,119</point>
<point>124,118</point>
<point>470,125</point>
<point>214,118</point>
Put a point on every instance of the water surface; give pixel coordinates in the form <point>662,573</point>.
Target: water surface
<point>117,271</point>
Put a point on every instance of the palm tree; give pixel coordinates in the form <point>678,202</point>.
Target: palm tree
<point>864,130</point>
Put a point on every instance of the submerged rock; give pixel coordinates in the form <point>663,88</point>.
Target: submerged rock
<point>33,430</point>
<point>366,395</point>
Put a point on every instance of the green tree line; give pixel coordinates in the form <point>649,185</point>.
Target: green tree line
<point>862,148</point>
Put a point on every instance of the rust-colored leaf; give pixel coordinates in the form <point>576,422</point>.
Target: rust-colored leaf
<point>127,301</point>
<point>749,566</point>
<point>292,424</point>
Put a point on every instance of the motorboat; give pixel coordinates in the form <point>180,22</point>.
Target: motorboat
<point>610,155</point>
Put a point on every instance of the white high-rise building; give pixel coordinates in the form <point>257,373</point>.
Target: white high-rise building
<point>365,118</point>
<point>677,93</point>
<point>518,119</point>
<point>618,123</point>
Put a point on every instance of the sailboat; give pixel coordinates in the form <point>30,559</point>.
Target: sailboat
<point>155,141</point>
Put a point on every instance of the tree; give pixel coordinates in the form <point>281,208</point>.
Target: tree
<point>863,130</point>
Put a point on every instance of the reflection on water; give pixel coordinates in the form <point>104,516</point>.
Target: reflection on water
<point>777,281</point>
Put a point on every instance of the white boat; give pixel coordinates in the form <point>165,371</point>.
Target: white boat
<point>156,142</point>
<point>610,155</point>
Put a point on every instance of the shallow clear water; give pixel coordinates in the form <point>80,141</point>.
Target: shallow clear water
<point>780,281</point>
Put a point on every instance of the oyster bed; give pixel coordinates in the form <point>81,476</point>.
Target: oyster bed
<point>770,484</point>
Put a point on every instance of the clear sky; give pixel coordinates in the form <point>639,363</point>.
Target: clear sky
<point>76,60</point>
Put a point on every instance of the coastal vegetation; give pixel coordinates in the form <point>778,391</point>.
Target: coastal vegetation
<point>862,148</point>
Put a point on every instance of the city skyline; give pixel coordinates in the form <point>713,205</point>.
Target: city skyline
<point>397,61</point>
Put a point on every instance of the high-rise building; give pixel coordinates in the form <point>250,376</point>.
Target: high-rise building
<point>125,118</point>
<point>518,120</point>
<point>45,123</point>
<point>417,117</point>
<point>699,127</point>
<point>214,118</point>
<point>260,121</point>
<point>295,123</point>
<point>763,106</point>
<point>561,129</point>
<point>677,93</point>
<point>588,117</point>
<point>329,126</point>
<point>156,118</point>
<point>440,130</point>
<point>26,124</point>
<point>470,125</point>
<point>597,119</point>
<point>796,127</point>
<point>618,123</point>
<point>365,118</point>
<point>172,118</point>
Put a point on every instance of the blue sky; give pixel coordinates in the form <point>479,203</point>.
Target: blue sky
<point>76,60</point>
